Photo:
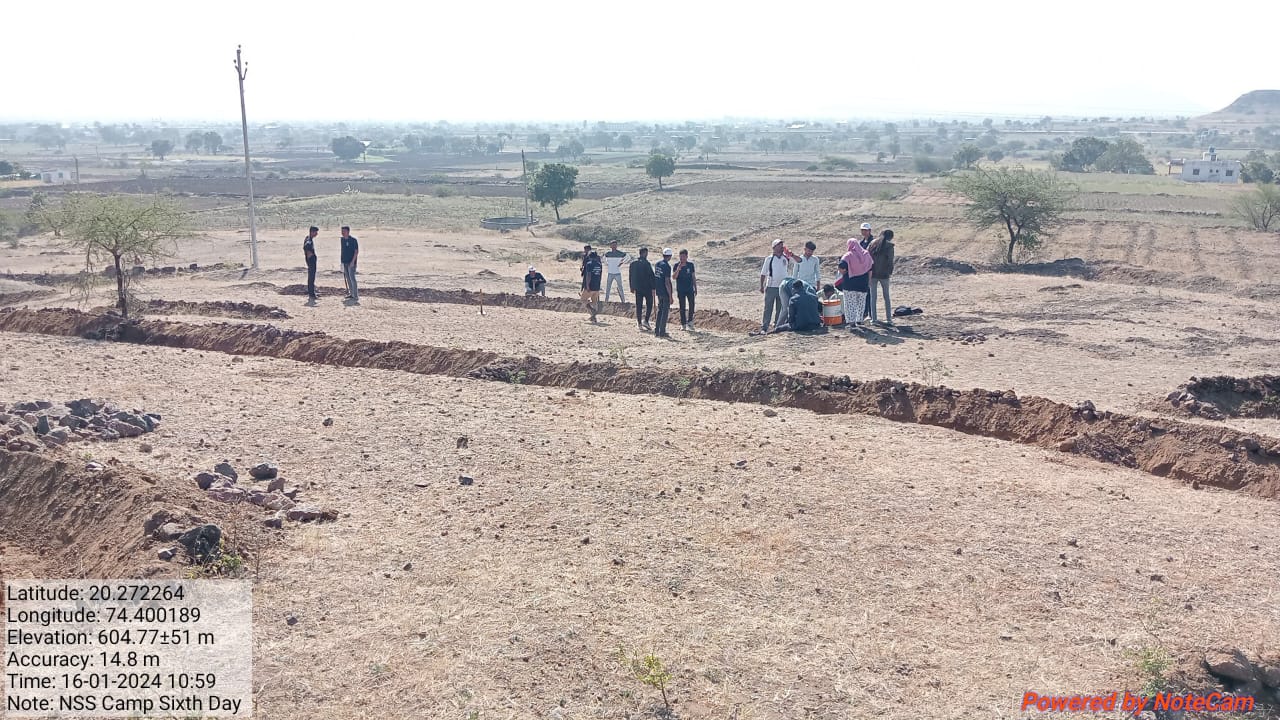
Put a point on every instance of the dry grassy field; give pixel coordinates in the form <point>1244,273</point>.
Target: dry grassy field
<point>799,527</point>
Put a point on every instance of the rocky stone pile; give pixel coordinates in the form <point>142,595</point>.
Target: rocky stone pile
<point>276,496</point>
<point>35,425</point>
<point>1241,675</point>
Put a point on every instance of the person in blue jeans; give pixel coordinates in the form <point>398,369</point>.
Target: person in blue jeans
<point>350,253</point>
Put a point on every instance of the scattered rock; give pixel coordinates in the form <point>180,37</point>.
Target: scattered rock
<point>167,553</point>
<point>302,514</point>
<point>206,479</point>
<point>202,541</point>
<point>463,442</point>
<point>224,468</point>
<point>276,484</point>
<point>42,425</point>
<point>168,531</point>
<point>465,480</point>
<point>264,471</point>
<point>227,494</point>
<point>290,619</point>
<point>327,422</point>
<point>1230,664</point>
<point>124,429</point>
<point>275,522</point>
<point>770,412</point>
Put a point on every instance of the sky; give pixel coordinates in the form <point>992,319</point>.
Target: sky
<point>664,60</point>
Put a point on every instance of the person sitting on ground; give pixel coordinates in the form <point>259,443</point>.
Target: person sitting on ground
<point>805,312</point>
<point>535,283</point>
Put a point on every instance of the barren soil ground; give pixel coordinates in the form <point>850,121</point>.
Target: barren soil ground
<point>852,567</point>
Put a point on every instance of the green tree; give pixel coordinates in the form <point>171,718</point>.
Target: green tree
<point>1125,155</point>
<point>212,142</point>
<point>160,148</point>
<point>544,141</point>
<point>347,148</point>
<point>1083,154</point>
<point>412,143</point>
<point>195,141</point>
<point>895,147</point>
<point>967,155</point>
<point>48,136</point>
<point>625,142</point>
<point>995,155</point>
<point>1256,168</point>
<point>47,215</point>
<point>555,184</point>
<point>112,135</point>
<point>118,227</point>
<point>1260,208</point>
<point>1027,204</point>
<point>660,166</point>
<point>576,148</point>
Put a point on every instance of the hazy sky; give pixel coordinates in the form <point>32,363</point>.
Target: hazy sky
<point>660,60</point>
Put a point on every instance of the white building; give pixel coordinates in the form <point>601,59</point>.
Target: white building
<point>1210,169</point>
<point>57,177</point>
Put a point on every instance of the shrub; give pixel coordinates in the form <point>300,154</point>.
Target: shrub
<point>599,234</point>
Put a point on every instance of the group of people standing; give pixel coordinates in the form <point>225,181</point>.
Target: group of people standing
<point>790,284</point>
<point>651,284</point>
<point>349,252</point>
<point>786,277</point>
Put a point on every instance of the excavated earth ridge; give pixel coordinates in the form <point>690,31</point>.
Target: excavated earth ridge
<point>707,319</point>
<point>1194,453</point>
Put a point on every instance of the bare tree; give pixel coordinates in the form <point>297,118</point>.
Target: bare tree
<point>116,228</point>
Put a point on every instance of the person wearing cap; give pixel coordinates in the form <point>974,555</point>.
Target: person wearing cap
<point>640,274</point>
<point>613,261</point>
<point>867,235</point>
<point>662,288</point>
<point>535,283</point>
<point>772,273</point>
<point>592,269</point>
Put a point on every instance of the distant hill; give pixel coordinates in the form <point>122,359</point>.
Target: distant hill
<point>1258,101</point>
<point>1252,108</point>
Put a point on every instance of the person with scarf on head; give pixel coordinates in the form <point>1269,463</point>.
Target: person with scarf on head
<point>855,282</point>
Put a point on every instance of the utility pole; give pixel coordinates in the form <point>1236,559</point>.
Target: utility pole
<point>242,69</point>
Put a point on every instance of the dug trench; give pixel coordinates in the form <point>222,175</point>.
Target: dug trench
<point>707,319</point>
<point>1193,453</point>
<point>1225,395</point>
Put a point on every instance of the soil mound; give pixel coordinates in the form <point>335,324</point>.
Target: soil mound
<point>60,518</point>
<point>707,319</point>
<point>17,298</point>
<point>224,308</point>
<point>599,235</point>
<point>1224,395</point>
<point>1193,453</point>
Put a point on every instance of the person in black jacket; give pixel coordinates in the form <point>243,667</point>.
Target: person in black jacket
<point>592,274</point>
<point>309,254</point>
<point>662,288</point>
<point>642,286</point>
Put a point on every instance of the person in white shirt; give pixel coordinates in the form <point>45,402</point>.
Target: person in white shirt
<point>807,267</point>
<point>613,262</point>
<point>772,273</point>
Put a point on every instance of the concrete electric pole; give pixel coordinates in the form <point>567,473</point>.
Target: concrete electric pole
<point>242,69</point>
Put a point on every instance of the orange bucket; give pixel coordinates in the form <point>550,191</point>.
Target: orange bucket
<point>832,312</point>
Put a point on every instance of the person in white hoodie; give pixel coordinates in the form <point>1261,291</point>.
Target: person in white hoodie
<point>613,262</point>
